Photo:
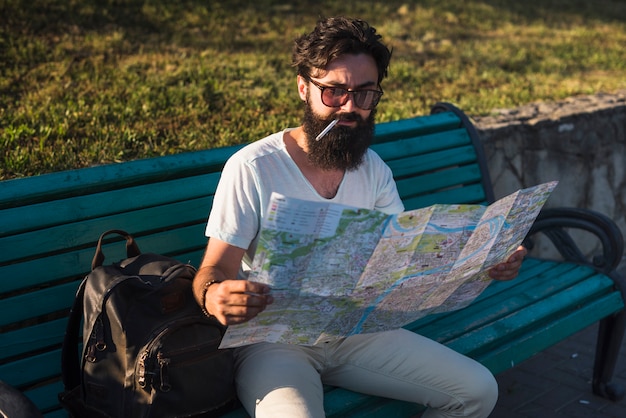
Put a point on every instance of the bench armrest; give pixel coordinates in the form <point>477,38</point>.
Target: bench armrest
<point>554,223</point>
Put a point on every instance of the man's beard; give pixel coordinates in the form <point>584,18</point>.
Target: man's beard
<point>343,147</point>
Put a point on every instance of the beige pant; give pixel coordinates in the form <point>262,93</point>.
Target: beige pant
<point>280,380</point>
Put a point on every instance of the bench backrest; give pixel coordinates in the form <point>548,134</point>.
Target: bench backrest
<point>49,225</point>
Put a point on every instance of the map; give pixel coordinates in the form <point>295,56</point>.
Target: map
<point>336,270</point>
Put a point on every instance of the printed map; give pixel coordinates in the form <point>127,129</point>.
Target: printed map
<point>337,271</point>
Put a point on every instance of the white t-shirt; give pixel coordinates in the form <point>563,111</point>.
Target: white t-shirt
<point>254,172</point>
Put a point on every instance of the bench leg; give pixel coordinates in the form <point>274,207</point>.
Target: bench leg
<point>610,335</point>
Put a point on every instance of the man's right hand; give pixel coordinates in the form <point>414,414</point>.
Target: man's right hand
<point>237,301</point>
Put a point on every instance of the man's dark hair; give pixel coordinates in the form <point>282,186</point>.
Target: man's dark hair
<point>335,37</point>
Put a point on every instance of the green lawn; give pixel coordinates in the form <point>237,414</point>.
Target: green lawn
<point>88,82</point>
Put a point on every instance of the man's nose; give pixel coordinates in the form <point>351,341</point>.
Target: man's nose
<point>349,105</point>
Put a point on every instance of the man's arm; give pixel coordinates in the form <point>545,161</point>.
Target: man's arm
<point>216,286</point>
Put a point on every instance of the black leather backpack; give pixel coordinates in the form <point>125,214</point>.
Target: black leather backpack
<point>148,350</point>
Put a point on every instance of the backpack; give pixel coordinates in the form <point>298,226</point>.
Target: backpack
<point>148,350</point>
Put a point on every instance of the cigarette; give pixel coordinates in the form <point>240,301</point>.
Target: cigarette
<point>326,129</point>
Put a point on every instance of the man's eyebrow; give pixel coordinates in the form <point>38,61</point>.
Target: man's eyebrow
<point>345,86</point>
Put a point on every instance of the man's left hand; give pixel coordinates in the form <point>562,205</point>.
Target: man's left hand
<point>510,268</point>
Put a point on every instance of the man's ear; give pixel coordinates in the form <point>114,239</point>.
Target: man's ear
<point>303,87</point>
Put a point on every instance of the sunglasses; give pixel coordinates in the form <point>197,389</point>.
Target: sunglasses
<point>338,96</point>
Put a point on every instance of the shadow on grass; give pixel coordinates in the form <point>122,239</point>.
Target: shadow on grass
<point>222,22</point>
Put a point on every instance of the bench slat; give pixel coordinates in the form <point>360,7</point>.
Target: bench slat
<point>381,407</point>
<point>85,233</point>
<point>46,398</point>
<point>532,316</point>
<point>67,211</point>
<point>422,145</point>
<point>416,165</point>
<point>60,413</point>
<point>101,178</point>
<point>468,194</point>
<point>187,240</point>
<point>33,338</point>
<point>536,340</point>
<point>338,402</point>
<point>389,131</point>
<point>34,304</point>
<point>47,270</point>
<point>434,182</point>
<point>32,370</point>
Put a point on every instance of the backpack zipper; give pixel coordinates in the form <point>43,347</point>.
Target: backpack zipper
<point>96,340</point>
<point>147,361</point>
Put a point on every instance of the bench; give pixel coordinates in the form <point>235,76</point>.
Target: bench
<point>49,225</point>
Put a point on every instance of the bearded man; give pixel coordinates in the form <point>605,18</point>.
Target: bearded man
<point>340,67</point>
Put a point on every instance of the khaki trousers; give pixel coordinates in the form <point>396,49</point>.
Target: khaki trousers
<point>281,380</point>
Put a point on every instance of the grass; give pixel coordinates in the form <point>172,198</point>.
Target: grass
<point>86,82</point>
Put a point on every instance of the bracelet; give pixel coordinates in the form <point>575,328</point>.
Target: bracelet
<point>205,288</point>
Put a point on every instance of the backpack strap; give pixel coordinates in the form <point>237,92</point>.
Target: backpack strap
<point>70,363</point>
<point>132,249</point>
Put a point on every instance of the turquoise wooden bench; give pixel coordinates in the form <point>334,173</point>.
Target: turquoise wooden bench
<point>49,225</point>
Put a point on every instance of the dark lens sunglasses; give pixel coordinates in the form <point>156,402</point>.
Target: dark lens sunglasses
<point>338,96</point>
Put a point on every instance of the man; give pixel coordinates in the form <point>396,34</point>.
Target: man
<point>340,67</point>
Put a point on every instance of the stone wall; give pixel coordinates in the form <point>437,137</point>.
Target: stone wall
<point>580,141</point>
